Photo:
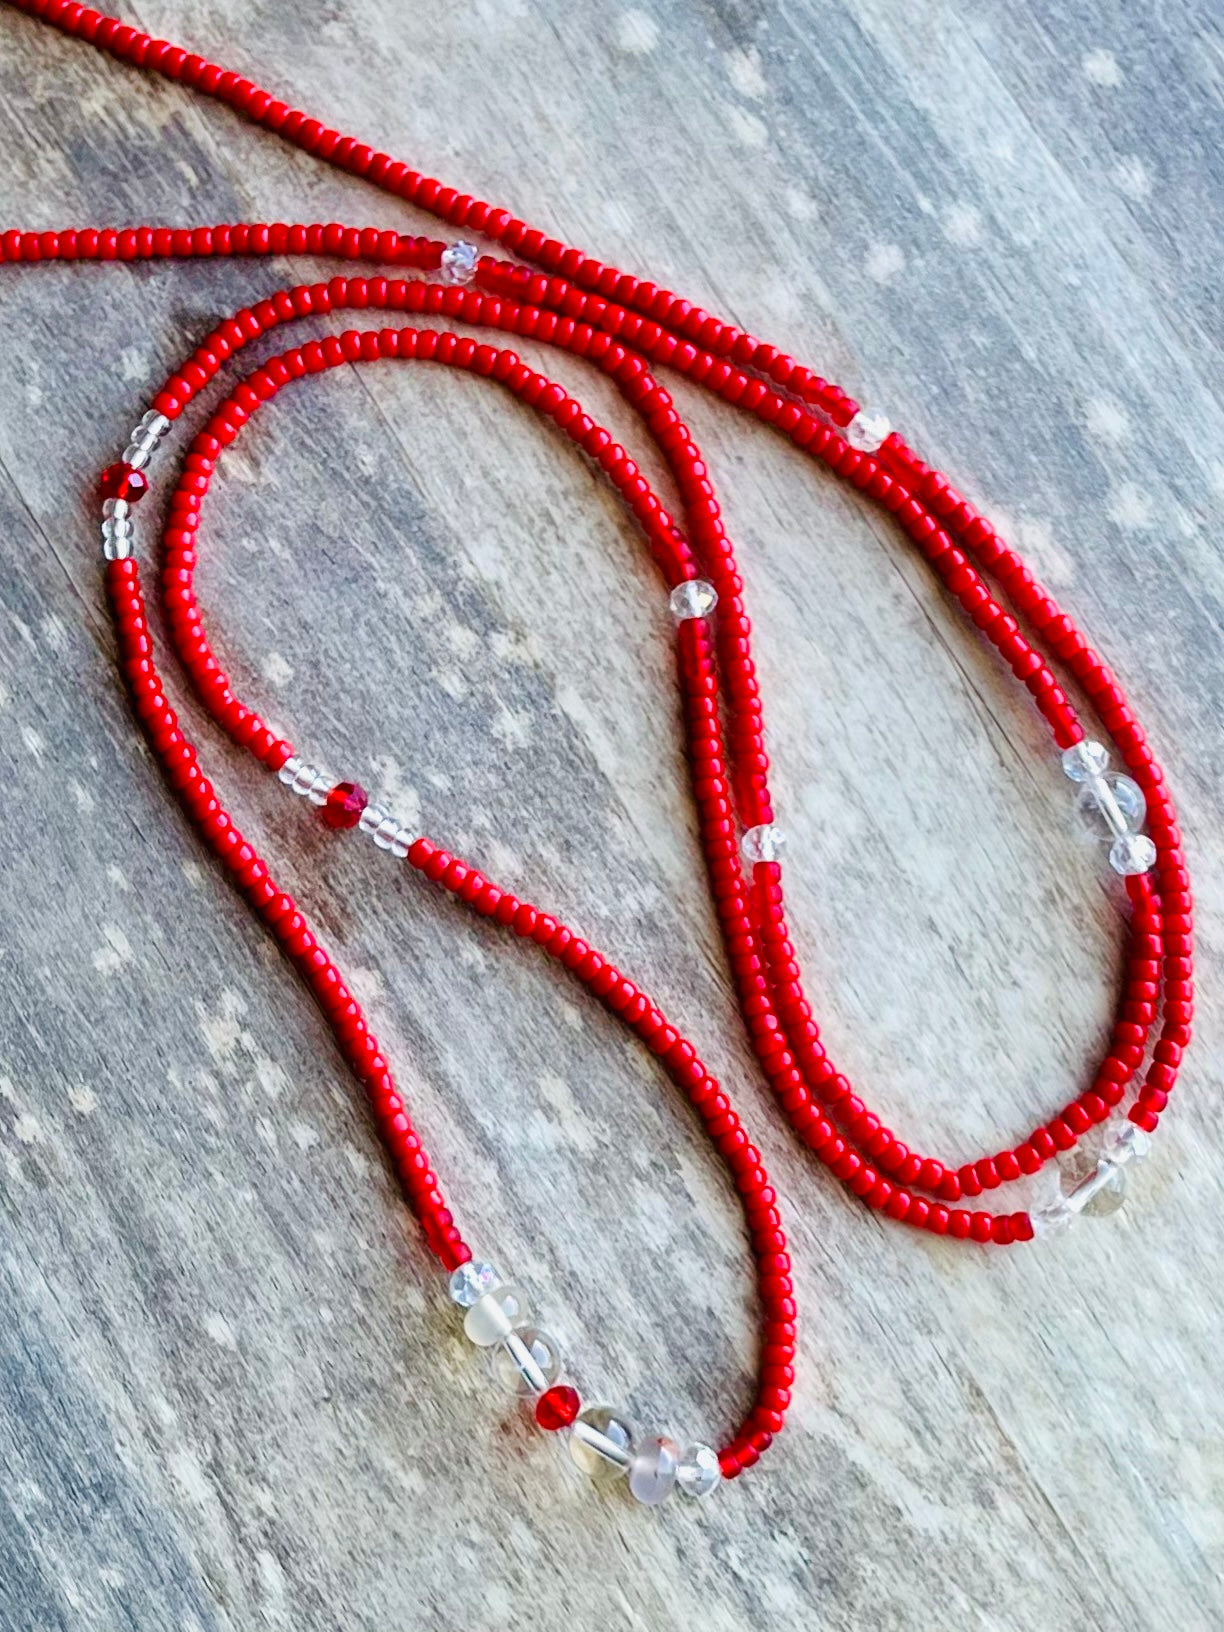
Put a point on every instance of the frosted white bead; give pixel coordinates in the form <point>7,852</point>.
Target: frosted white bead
<point>527,1361</point>
<point>494,1316</point>
<point>371,817</point>
<point>652,1472</point>
<point>384,833</point>
<point>1084,760</point>
<point>697,1471</point>
<point>1132,853</point>
<point>459,263</point>
<point>1124,1142</point>
<point>402,843</point>
<point>867,431</point>
<point>136,454</point>
<point>320,788</point>
<point>118,508</point>
<point>1052,1218</point>
<point>601,1442</point>
<point>469,1283</point>
<point>289,770</point>
<point>1108,806</point>
<point>694,598</point>
<point>303,781</point>
<point>764,843</point>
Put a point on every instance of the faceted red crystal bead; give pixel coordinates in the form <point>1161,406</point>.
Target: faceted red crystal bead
<point>344,806</point>
<point>557,1407</point>
<point>123,482</point>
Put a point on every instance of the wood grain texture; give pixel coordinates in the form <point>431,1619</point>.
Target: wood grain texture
<point>231,1395</point>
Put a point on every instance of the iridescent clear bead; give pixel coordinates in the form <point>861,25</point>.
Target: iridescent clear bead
<point>1132,853</point>
<point>652,1472</point>
<point>459,263</point>
<point>527,1361</point>
<point>1052,1218</point>
<point>697,1471</point>
<point>320,788</point>
<point>494,1316</point>
<point>1125,1142</point>
<point>867,432</point>
<point>601,1442</point>
<point>694,598</point>
<point>371,818</point>
<point>1084,760</point>
<point>764,843</point>
<point>289,770</point>
<point>469,1283</point>
<point>1108,806</point>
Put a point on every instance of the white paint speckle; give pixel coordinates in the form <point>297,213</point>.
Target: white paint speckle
<point>271,1576</point>
<point>222,1031</point>
<point>303,1135</point>
<point>193,874</point>
<point>800,206</point>
<point>117,877</point>
<point>117,951</point>
<point>366,984</point>
<point>114,1579</point>
<point>221,1332</point>
<point>84,798</point>
<point>1130,509</point>
<point>276,669</point>
<point>884,262</point>
<point>750,130</point>
<point>189,1476</point>
<point>744,71</point>
<point>512,729</point>
<point>962,225</point>
<point>1132,178</point>
<point>1101,67</point>
<point>4,696</point>
<point>26,1129</point>
<point>34,743</point>
<point>1107,419</point>
<point>637,33</point>
<point>134,363</point>
<point>83,1099</point>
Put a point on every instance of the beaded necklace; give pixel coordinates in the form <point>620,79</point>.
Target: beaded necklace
<point>629,328</point>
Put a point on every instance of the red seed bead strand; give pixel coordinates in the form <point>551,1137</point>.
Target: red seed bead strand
<point>765,381</point>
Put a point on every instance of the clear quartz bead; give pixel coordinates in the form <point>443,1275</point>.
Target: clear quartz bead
<point>697,1471</point>
<point>494,1315</point>
<point>1109,806</point>
<point>652,1472</point>
<point>764,843</point>
<point>469,1283</point>
<point>601,1442</point>
<point>526,1362</point>
<point>320,788</point>
<point>1084,760</point>
<point>1125,1142</point>
<point>694,598</point>
<point>867,431</point>
<point>1052,1218</point>
<point>1132,853</point>
<point>289,770</point>
<point>459,262</point>
<point>371,818</point>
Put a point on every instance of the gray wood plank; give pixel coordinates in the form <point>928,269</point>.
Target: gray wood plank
<point>231,1394</point>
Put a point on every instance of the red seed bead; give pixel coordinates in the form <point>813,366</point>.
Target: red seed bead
<point>557,1407</point>
<point>344,806</point>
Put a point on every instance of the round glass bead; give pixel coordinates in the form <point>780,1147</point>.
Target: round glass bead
<point>526,1362</point>
<point>459,263</point>
<point>469,1283</point>
<point>320,789</point>
<point>601,1442</point>
<point>371,818</point>
<point>304,780</point>
<point>402,842</point>
<point>1125,1142</point>
<point>345,803</point>
<point>1109,1197</point>
<point>764,843</point>
<point>652,1472</point>
<point>136,454</point>
<point>289,770</point>
<point>697,1471</point>
<point>494,1316</point>
<point>1132,853</point>
<point>1108,806</point>
<point>694,598</point>
<point>867,431</point>
<point>1052,1218</point>
<point>1084,760</point>
<point>123,482</point>
<point>557,1407</point>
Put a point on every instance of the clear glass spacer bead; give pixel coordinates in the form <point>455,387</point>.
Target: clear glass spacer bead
<point>469,1283</point>
<point>384,835</point>
<point>289,770</point>
<point>1052,1218</point>
<point>402,842</point>
<point>320,788</point>
<point>1132,853</point>
<point>1084,760</point>
<point>137,454</point>
<point>763,843</point>
<point>867,431</point>
<point>458,264</point>
<point>698,1471</point>
<point>1110,805</point>
<point>304,779</point>
<point>116,538</point>
<point>116,508</point>
<point>694,598</point>
<point>371,818</point>
<point>1125,1142</point>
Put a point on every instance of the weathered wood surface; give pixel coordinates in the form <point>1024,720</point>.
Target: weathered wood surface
<point>231,1395</point>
